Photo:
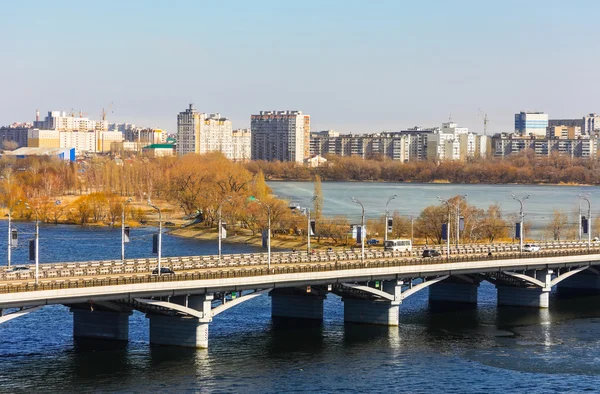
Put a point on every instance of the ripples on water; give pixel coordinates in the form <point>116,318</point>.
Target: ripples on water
<point>484,349</point>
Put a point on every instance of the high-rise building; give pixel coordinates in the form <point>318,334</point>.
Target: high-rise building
<point>280,135</point>
<point>188,131</point>
<point>531,123</point>
<point>59,120</point>
<point>241,144</point>
<point>202,133</point>
<point>591,124</point>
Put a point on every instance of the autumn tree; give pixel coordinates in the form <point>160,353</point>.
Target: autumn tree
<point>558,224</point>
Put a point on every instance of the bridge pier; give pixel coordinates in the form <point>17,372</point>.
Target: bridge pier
<point>454,292</point>
<point>381,307</point>
<point>585,283</point>
<point>535,297</point>
<point>101,324</point>
<point>297,303</point>
<point>185,331</point>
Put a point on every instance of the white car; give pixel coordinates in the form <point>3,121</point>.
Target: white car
<point>531,248</point>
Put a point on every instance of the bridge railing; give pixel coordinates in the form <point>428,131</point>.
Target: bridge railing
<point>283,269</point>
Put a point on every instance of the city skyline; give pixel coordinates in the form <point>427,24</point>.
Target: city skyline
<point>354,68</point>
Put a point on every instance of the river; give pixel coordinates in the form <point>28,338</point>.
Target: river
<point>412,198</point>
<point>483,349</point>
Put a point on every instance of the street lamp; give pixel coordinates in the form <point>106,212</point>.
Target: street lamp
<point>463,197</point>
<point>387,214</point>
<point>447,227</point>
<point>37,243</point>
<point>9,246</point>
<point>220,232</point>
<point>589,218</point>
<point>123,229</point>
<point>308,225</point>
<point>362,229</point>
<point>254,199</point>
<point>521,215</point>
<point>159,251</point>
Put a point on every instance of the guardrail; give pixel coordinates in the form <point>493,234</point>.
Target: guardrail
<point>146,265</point>
<point>253,271</point>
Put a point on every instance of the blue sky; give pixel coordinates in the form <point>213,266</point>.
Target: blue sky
<point>354,66</point>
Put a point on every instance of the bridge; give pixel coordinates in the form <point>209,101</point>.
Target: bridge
<point>103,294</point>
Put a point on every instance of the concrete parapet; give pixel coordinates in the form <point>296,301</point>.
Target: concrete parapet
<point>535,297</point>
<point>298,306</point>
<point>178,331</point>
<point>366,311</point>
<point>465,293</point>
<point>100,324</point>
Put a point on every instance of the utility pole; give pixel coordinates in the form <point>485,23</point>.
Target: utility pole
<point>220,232</point>
<point>463,197</point>
<point>159,251</point>
<point>9,246</point>
<point>387,215</point>
<point>36,243</point>
<point>123,229</point>
<point>589,218</point>
<point>522,216</point>
<point>308,228</point>
<point>447,227</point>
<point>362,229</point>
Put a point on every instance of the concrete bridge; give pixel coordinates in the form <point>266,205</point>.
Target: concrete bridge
<point>180,307</point>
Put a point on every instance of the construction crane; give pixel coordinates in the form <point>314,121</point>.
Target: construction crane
<point>485,120</point>
<point>105,111</point>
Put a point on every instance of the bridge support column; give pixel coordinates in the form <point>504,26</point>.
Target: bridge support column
<point>100,324</point>
<point>585,283</point>
<point>381,312</point>
<point>297,303</point>
<point>178,331</point>
<point>535,297</point>
<point>185,331</point>
<point>465,293</point>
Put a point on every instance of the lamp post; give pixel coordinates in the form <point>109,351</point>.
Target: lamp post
<point>447,227</point>
<point>387,213</point>
<point>123,229</point>
<point>9,246</point>
<point>589,218</point>
<point>463,197</point>
<point>254,199</point>
<point>308,228</point>
<point>159,251</point>
<point>36,242</point>
<point>362,229</point>
<point>220,232</point>
<point>521,215</point>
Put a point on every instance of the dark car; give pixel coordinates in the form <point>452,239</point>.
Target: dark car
<point>431,253</point>
<point>373,241</point>
<point>163,271</point>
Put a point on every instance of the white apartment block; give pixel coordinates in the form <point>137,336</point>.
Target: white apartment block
<point>241,144</point>
<point>203,133</point>
<point>59,120</point>
<point>280,135</point>
<point>88,141</point>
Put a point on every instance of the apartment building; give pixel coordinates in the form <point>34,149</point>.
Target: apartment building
<point>280,135</point>
<point>241,144</point>
<point>202,133</point>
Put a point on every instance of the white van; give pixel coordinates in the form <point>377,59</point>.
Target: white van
<point>398,245</point>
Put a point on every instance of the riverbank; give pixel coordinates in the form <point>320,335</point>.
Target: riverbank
<point>245,237</point>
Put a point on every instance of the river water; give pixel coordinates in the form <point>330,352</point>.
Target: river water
<point>412,198</point>
<point>484,349</point>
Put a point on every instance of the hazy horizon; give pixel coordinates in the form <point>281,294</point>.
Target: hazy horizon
<point>353,67</point>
